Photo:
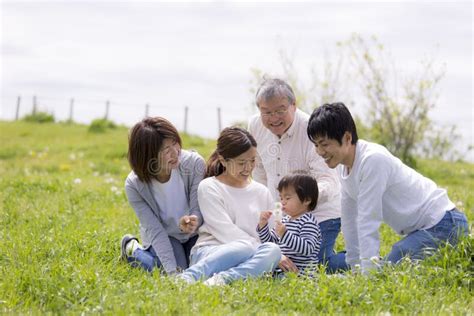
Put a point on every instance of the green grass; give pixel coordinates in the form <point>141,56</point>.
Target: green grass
<point>63,211</point>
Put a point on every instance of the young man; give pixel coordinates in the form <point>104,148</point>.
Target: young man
<point>377,187</point>
<point>283,147</point>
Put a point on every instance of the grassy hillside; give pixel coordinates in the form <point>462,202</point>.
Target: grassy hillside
<point>63,211</point>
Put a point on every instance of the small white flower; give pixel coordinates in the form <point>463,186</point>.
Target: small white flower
<point>96,174</point>
<point>72,156</point>
<point>113,189</point>
<point>77,181</point>
<point>109,180</point>
<point>459,204</point>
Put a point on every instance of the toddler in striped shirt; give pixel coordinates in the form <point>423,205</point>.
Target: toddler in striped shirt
<point>297,233</point>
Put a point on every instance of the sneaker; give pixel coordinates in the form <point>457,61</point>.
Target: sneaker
<point>215,280</point>
<point>127,245</point>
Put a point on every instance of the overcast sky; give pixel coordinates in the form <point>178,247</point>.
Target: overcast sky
<point>200,55</point>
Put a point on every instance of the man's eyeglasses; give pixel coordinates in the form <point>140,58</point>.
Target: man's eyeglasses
<point>279,113</point>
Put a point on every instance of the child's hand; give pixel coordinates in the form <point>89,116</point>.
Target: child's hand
<point>264,217</point>
<point>280,228</point>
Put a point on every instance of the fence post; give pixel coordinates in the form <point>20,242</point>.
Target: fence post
<point>34,104</point>
<point>71,109</point>
<point>107,105</point>
<point>17,114</point>
<point>219,120</point>
<point>186,109</point>
<point>147,110</point>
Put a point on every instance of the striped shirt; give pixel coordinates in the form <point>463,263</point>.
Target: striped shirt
<point>300,243</point>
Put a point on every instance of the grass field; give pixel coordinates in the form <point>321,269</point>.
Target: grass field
<point>63,211</point>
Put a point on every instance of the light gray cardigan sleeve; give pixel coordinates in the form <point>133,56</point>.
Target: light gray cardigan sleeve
<point>197,172</point>
<point>151,223</point>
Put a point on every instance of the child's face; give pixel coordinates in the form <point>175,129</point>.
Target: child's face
<point>291,203</point>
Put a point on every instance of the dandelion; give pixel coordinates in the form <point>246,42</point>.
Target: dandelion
<point>77,181</point>
<point>64,167</point>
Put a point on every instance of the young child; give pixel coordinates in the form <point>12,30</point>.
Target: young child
<point>298,233</point>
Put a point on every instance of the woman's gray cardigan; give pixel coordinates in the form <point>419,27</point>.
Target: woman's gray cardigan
<point>191,168</point>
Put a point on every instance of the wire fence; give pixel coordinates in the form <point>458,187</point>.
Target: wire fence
<point>206,120</point>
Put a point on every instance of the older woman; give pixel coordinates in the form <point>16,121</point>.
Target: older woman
<point>162,190</point>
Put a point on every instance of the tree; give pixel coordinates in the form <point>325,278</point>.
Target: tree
<point>398,118</point>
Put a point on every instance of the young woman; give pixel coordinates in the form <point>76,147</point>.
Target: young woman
<point>228,247</point>
<point>162,190</point>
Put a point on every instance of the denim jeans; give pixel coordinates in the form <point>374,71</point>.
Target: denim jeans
<point>148,260</point>
<point>421,243</point>
<point>334,261</point>
<point>232,261</point>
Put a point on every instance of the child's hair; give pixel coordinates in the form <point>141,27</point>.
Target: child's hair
<point>332,121</point>
<point>232,142</point>
<point>144,143</point>
<point>305,186</point>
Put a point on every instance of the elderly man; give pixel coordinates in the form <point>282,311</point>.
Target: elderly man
<point>283,147</point>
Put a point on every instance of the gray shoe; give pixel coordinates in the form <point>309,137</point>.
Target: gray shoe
<point>123,245</point>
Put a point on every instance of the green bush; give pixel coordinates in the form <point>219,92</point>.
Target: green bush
<point>101,126</point>
<point>39,117</point>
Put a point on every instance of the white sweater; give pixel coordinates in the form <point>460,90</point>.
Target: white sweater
<point>278,157</point>
<point>230,213</point>
<point>380,188</point>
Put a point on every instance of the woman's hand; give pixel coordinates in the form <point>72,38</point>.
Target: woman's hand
<point>287,265</point>
<point>264,217</point>
<point>188,224</point>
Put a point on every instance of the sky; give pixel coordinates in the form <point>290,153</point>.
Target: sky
<point>200,55</point>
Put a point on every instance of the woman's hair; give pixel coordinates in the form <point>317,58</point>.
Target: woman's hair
<point>232,142</point>
<point>144,143</point>
<point>305,186</point>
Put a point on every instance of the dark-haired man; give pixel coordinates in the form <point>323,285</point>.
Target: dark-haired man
<point>377,187</point>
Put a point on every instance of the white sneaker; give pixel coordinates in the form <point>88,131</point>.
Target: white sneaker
<point>215,280</point>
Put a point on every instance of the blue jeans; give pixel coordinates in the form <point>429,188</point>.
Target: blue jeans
<point>233,261</point>
<point>333,261</point>
<point>148,260</point>
<point>421,243</point>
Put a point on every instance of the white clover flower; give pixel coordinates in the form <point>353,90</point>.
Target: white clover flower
<point>113,189</point>
<point>72,156</point>
<point>77,181</point>
<point>109,180</point>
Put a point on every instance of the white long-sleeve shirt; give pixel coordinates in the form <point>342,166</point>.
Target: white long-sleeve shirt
<point>230,213</point>
<point>278,157</point>
<point>380,188</point>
